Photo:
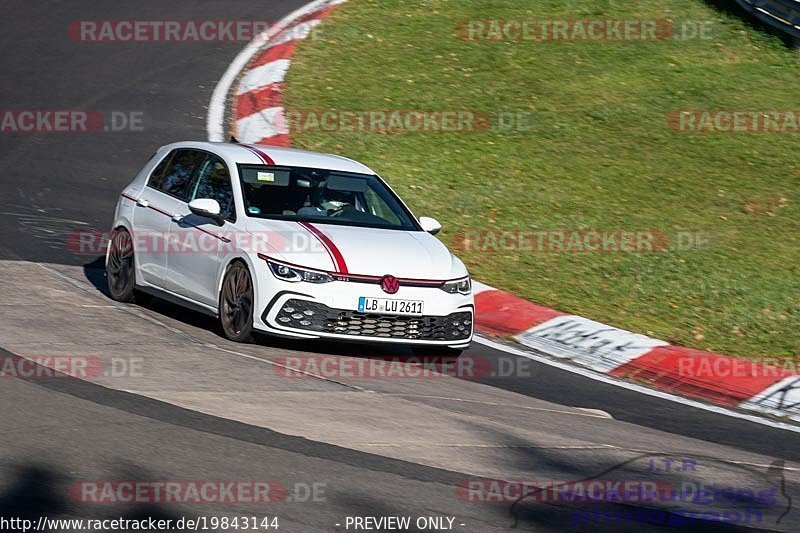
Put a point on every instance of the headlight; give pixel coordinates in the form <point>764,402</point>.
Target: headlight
<point>462,286</point>
<point>294,274</point>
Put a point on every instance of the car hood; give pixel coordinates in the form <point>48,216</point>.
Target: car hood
<point>356,250</point>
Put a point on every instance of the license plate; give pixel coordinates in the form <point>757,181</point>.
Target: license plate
<point>389,306</point>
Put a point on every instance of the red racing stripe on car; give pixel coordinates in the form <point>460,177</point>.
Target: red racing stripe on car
<point>330,254</point>
<point>333,251</point>
<point>159,210</point>
<point>207,232</point>
<point>220,237</point>
<point>264,157</point>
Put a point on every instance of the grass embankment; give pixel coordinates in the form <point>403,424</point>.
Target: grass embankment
<point>601,156</point>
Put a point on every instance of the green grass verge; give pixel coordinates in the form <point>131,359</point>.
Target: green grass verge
<point>600,156</point>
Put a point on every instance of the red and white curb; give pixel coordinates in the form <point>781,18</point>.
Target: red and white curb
<point>717,378</point>
<point>247,103</point>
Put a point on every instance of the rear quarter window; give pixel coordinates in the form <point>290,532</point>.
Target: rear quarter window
<point>177,172</point>
<point>157,175</point>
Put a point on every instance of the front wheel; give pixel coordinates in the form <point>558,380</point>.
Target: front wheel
<point>120,267</point>
<point>236,303</point>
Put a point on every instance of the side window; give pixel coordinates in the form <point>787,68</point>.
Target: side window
<point>214,181</point>
<point>179,172</point>
<point>157,175</point>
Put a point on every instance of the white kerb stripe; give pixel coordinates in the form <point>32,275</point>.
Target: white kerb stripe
<point>780,399</point>
<point>297,32</point>
<point>266,123</point>
<point>588,343</point>
<point>478,287</point>
<point>263,75</point>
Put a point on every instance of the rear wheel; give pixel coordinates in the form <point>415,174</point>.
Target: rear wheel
<point>120,267</point>
<point>236,303</point>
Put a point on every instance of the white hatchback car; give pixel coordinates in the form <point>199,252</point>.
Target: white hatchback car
<point>287,242</point>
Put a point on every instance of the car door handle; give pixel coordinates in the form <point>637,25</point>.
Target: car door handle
<point>141,202</point>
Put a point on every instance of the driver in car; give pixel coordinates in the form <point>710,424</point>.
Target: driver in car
<point>326,202</point>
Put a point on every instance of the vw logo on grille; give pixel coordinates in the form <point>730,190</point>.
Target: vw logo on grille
<point>390,284</point>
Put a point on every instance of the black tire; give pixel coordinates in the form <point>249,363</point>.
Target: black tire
<point>120,272</point>
<point>236,301</point>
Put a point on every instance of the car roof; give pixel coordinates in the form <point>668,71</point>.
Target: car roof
<point>256,154</point>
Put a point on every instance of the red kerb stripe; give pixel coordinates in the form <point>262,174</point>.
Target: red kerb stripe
<point>256,101</point>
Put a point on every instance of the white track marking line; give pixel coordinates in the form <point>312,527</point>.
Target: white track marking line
<point>634,387</point>
<point>310,374</point>
<point>44,217</point>
<point>591,413</point>
<point>453,445</point>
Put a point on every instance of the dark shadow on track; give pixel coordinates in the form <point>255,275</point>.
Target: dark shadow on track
<point>94,273</point>
<point>37,490</point>
<point>40,490</point>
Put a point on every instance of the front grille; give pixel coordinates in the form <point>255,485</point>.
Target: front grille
<point>313,316</point>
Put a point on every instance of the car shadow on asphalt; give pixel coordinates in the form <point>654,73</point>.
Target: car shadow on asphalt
<point>95,274</point>
<point>37,490</point>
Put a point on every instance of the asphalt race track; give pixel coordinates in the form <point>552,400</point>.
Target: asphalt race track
<point>201,408</point>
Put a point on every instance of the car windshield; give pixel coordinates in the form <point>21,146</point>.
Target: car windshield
<point>318,195</point>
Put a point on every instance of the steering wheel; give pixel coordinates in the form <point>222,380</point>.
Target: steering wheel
<point>337,211</point>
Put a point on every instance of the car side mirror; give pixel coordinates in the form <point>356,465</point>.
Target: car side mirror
<point>208,208</point>
<point>431,225</point>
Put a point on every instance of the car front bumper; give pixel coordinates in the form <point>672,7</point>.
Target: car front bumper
<point>330,310</point>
